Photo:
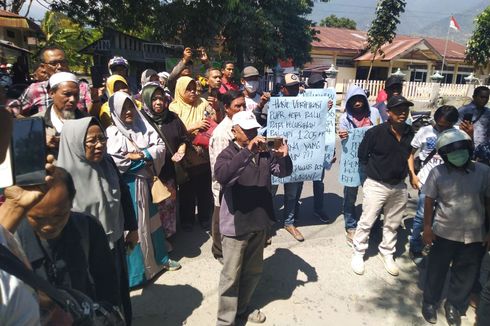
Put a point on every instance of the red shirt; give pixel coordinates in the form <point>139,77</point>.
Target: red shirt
<point>227,86</point>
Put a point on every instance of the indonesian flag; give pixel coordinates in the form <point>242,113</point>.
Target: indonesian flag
<point>454,24</point>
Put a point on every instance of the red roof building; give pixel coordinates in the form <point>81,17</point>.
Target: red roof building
<point>416,56</point>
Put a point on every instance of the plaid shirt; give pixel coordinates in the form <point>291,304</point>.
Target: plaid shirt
<point>35,99</point>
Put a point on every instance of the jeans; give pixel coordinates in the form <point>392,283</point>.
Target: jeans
<point>416,244</point>
<point>350,216</point>
<point>318,190</point>
<point>292,194</point>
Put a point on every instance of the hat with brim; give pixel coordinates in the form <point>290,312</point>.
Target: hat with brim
<point>398,100</point>
<point>393,81</point>
<point>250,71</point>
<point>246,120</point>
<point>315,78</point>
<point>290,80</point>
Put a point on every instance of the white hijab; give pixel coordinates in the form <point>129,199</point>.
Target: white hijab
<point>138,136</point>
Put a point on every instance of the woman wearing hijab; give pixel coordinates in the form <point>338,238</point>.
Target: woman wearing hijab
<point>139,155</point>
<point>174,134</point>
<point>114,84</point>
<point>83,154</point>
<point>193,111</point>
<point>149,76</point>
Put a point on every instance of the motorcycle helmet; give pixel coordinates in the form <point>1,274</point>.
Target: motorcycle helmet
<point>451,141</point>
<point>117,61</point>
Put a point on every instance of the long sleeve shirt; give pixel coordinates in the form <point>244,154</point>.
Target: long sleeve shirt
<point>246,205</point>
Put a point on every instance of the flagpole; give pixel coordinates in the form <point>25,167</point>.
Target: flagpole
<point>445,47</point>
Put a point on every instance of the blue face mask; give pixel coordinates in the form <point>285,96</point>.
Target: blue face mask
<point>458,158</point>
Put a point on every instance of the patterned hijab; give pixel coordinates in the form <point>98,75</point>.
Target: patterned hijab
<point>147,94</point>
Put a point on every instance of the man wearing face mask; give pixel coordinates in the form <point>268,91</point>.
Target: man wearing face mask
<point>255,100</point>
<point>456,227</point>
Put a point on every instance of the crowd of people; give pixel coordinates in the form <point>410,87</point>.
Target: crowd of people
<point>124,168</point>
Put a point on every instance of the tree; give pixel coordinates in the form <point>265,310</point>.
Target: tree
<point>248,30</point>
<point>383,27</point>
<point>478,46</point>
<point>130,16</point>
<point>13,6</point>
<point>62,31</point>
<point>341,22</point>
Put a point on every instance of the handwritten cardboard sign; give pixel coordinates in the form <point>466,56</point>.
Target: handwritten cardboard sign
<point>349,173</point>
<point>302,120</point>
<point>330,136</point>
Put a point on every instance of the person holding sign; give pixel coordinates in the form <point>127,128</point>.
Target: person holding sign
<point>384,153</point>
<point>292,190</point>
<point>244,170</point>
<point>316,81</point>
<point>358,114</point>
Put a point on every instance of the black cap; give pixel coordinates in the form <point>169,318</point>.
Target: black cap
<point>398,100</point>
<point>393,80</point>
<point>315,78</point>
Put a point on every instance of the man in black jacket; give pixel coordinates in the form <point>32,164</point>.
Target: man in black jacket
<point>384,153</point>
<point>68,249</point>
<point>244,171</point>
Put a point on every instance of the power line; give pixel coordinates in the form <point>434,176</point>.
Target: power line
<point>42,5</point>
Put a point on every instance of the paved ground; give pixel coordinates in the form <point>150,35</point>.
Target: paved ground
<point>303,284</point>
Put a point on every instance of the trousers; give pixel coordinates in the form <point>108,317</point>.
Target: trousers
<point>465,259</point>
<point>377,196</point>
<point>243,259</point>
<point>216,247</point>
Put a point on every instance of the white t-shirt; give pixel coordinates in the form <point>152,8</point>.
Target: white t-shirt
<point>18,302</point>
<point>425,140</point>
<point>252,103</point>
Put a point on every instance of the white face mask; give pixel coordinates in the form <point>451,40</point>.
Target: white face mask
<point>252,86</point>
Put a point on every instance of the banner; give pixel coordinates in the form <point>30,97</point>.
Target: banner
<point>302,121</point>
<point>349,173</point>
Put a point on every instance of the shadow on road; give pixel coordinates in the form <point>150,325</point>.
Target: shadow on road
<point>332,205</point>
<point>188,244</point>
<point>280,277</point>
<point>179,303</point>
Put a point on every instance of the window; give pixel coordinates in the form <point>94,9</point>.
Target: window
<point>10,33</point>
<point>418,76</point>
<point>345,62</point>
